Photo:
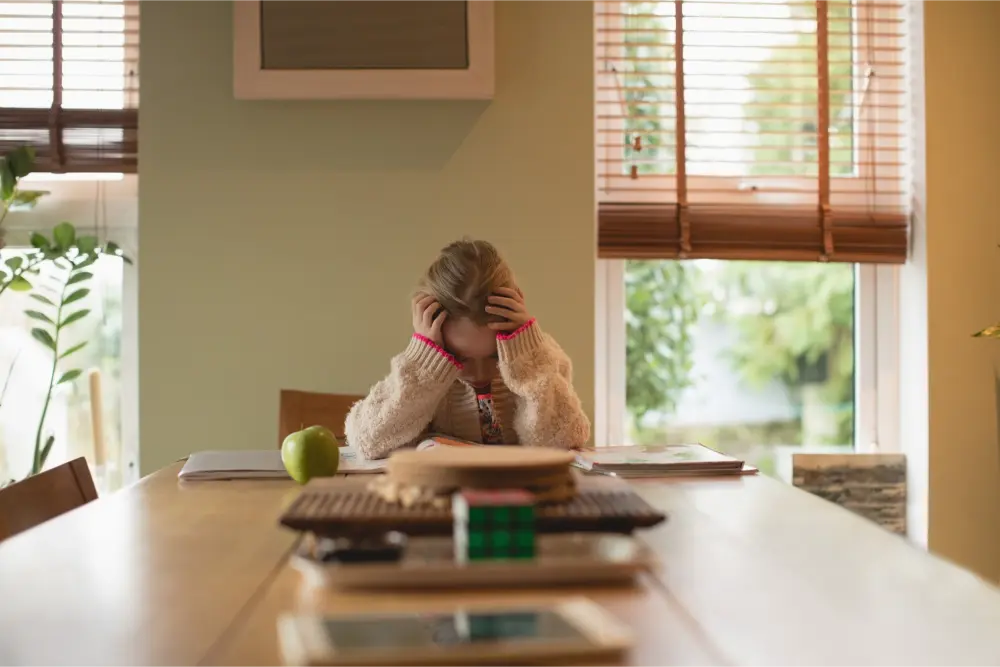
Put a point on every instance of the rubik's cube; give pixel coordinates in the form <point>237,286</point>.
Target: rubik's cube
<point>493,525</point>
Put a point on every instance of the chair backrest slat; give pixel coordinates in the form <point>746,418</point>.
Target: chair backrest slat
<point>45,496</point>
<point>302,409</point>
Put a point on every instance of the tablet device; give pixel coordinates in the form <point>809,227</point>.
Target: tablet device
<point>575,629</point>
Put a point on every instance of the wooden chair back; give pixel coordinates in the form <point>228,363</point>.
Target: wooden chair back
<point>302,409</point>
<point>45,496</point>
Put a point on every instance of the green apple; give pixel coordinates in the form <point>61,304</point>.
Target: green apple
<point>311,452</point>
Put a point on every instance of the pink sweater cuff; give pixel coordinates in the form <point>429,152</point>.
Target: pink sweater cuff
<point>440,350</point>
<point>517,332</point>
<point>524,340</point>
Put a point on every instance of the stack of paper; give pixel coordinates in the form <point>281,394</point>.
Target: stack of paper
<point>261,464</point>
<point>660,461</point>
<point>237,464</point>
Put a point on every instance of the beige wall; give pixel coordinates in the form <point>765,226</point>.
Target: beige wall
<point>962,61</point>
<point>280,240</point>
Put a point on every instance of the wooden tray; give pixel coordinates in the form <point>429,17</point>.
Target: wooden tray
<point>590,559</point>
<point>334,507</point>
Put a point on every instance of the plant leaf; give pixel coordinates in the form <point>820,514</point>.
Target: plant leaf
<point>15,262</point>
<point>85,263</point>
<point>21,160</point>
<point>64,234</point>
<point>28,198</point>
<point>69,376</point>
<point>112,248</point>
<point>40,316</point>
<point>43,299</point>
<point>43,337</point>
<point>78,315</point>
<point>75,348</point>
<point>86,244</point>
<point>4,276</point>
<point>988,332</point>
<point>44,454</point>
<point>20,284</point>
<point>76,296</point>
<point>79,277</point>
<point>39,241</point>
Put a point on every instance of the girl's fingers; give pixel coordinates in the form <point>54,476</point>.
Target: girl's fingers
<point>420,303</point>
<point>439,321</point>
<point>503,326</point>
<point>507,302</point>
<point>511,292</point>
<point>430,311</point>
<point>502,312</point>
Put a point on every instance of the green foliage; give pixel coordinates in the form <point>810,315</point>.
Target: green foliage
<point>54,323</point>
<point>784,104</point>
<point>796,324</point>
<point>789,315</point>
<point>661,305</point>
<point>806,330</point>
<point>68,254</point>
<point>988,332</point>
<point>661,308</point>
<point>647,142</point>
<point>13,167</point>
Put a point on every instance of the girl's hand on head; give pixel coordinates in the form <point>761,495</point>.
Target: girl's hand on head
<point>428,316</point>
<point>508,302</point>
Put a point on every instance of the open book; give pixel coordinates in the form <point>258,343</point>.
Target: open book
<point>437,440</point>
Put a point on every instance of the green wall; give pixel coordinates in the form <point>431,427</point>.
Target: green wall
<point>280,240</point>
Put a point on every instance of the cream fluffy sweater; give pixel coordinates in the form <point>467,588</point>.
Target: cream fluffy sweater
<point>534,398</point>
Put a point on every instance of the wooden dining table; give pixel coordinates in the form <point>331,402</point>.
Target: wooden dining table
<point>752,571</point>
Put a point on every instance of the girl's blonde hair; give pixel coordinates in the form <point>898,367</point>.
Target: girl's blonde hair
<point>463,276</point>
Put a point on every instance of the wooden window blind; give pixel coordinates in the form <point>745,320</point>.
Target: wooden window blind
<point>69,83</point>
<point>771,130</point>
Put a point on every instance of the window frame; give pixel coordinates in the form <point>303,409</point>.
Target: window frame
<point>876,338</point>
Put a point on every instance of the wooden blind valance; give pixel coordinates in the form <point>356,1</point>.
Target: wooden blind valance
<point>752,130</point>
<point>69,83</point>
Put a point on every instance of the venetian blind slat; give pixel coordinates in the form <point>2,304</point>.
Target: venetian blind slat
<point>793,140</point>
<point>69,83</point>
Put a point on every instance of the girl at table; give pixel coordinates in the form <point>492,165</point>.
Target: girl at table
<point>477,368</point>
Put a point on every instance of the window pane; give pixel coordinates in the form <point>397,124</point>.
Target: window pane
<point>69,414</point>
<point>753,358</point>
<point>750,80</point>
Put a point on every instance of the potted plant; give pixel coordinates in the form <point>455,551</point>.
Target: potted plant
<point>57,292</point>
